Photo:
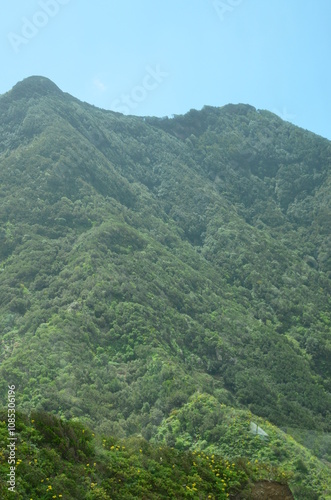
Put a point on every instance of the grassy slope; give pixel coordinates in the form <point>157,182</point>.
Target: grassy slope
<point>57,459</point>
<point>205,425</point>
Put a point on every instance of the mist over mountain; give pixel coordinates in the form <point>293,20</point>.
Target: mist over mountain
<point>151,268</point>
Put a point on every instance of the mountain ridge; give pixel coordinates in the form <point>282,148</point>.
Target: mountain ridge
<point>147,260</point>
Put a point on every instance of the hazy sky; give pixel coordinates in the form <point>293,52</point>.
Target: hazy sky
<point>155,57</point>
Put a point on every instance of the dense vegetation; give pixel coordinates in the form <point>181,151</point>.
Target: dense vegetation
<point>66,460</point>
<point>205,425</point>
<point>145,261</point>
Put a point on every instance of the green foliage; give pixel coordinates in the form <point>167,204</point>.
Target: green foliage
<point>144,260</point>
<point>66,460</point>
<point>206,426</point>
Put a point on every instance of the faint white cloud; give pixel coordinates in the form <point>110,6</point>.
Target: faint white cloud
<point>99,84</point>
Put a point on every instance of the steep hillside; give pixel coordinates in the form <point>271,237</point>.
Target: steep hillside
<point>146,260</point>
<point>66,460</point>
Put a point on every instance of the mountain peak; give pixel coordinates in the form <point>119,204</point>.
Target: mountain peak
<point>34,86</point>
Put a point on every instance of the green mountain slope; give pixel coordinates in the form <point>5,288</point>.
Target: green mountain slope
<point>66,460</point>
<point>144,260</point>
<point>205,426</point>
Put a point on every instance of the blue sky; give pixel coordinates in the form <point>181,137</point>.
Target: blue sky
<point>154,57</point>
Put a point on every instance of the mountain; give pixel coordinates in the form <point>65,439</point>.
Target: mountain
<point>145,261</point>
<point>126,469</point>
